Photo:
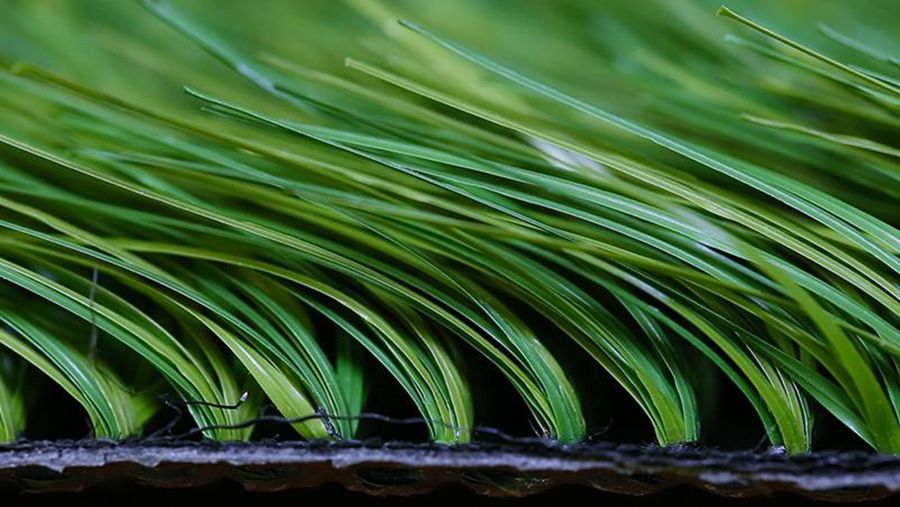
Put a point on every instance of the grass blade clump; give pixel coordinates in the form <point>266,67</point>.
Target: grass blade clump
<point>369,193</point>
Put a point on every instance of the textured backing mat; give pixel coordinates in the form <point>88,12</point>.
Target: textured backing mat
<point>406,469</point>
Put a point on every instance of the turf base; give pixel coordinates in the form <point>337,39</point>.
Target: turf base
<point>408,469</point>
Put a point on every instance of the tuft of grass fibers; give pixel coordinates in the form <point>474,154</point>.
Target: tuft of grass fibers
<point>281,207</point>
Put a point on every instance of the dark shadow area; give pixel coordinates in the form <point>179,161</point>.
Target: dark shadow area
<point>335,495</point>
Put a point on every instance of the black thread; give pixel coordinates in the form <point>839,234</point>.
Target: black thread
<point>368,416</point>
<point>225,406</point>
<point>495,433</point>
<point>172,423</point>
<point>174,405</point>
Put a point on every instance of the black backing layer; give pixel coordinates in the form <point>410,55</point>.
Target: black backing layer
<point>406,469</point>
